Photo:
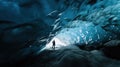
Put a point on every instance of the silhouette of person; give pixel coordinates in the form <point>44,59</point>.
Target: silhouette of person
<point>53,44</point>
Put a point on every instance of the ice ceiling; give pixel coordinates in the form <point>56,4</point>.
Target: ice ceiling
<point>74,22</point>
<point>88,24</point>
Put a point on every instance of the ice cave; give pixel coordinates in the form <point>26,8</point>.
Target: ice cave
<point>59,33</point>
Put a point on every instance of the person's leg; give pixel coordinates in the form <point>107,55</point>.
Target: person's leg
<point>54,47</point>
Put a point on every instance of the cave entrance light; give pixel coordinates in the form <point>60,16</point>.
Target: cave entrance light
<point>58,44</point>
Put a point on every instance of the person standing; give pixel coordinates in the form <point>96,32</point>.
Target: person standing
<point>53,44</point>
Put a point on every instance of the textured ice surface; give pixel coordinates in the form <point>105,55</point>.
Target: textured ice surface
<point>89,24</point>
<point>84,33</point>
